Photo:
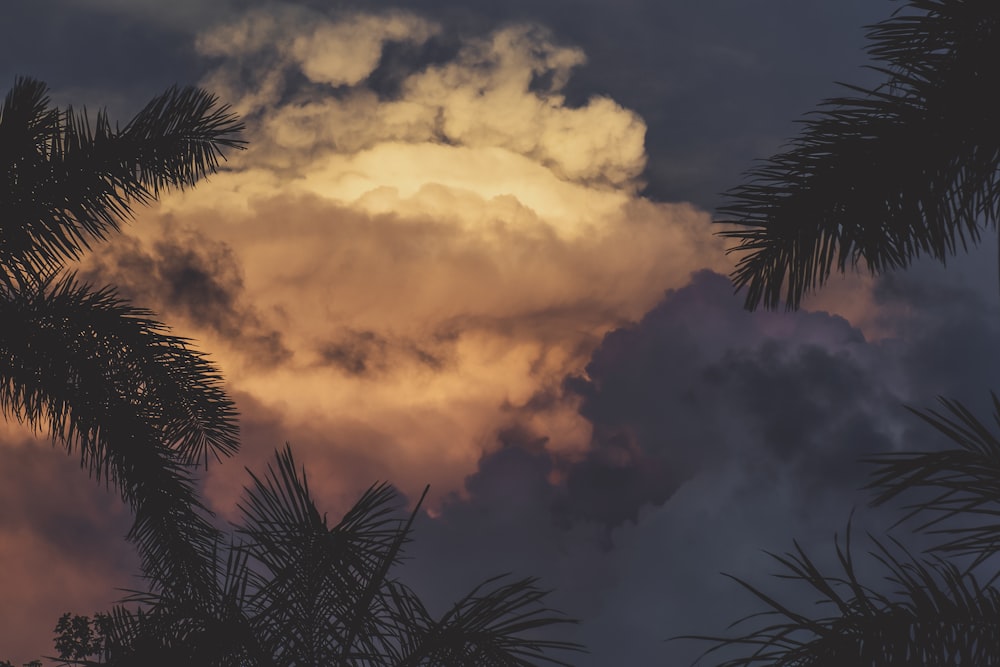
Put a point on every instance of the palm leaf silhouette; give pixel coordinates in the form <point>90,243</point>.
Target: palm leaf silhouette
<point>933,614</point>
<point>101,377</point>
<point>961,482</point>
<point>292,590</point>
<point>883,176</point>
<point>70,182</point>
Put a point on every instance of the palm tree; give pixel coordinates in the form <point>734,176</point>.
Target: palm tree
<point>911,168</point>
<point>293,590</point>
<point>101,377</point>
<point>880,177</point>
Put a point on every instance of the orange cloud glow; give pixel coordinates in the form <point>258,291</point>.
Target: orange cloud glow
<point>431,259</point>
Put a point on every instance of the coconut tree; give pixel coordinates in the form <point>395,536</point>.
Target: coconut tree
<point>879,177</point>
<point>294,590</point>
<point>101,377</point>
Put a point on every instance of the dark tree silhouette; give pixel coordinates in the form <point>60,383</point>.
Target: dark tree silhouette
<point>101,377</point>
<point>883,176</point>
<point>293,590</point>
<point>910,168</point>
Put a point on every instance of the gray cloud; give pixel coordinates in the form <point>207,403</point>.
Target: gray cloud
<point>946,334</point>
<point>699,380</point>
<point>717,433</point>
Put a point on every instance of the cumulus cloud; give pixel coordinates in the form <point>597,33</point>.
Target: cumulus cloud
<point>400,268</point>
<point>334,52</point>
<point>503,91</point>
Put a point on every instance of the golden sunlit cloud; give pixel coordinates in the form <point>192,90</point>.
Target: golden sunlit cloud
<point>422,260</point>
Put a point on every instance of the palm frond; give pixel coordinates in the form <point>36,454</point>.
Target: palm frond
<point>68,351</point>
<point>178,139</point>
<point>137,405</point>
<point>328,596</point>
<point>493,625</point>
<point>69,182</point>
<point>960,482</point>
<point>932,614</point>
<point>372,625</point>
<point>908,169</point>
<point>320,587</point>
<point>217,627</point>
<point>295,591</point>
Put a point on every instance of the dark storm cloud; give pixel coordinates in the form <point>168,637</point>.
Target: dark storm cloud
<point>717,433</point>
<point>699,380</point>
<point>613,482</point>
<point>698,388</point>
<point>190,276</point>
<point>817,411</point>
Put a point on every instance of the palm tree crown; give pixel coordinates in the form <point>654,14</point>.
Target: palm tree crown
<point>292,590</point>
<point>880,178</point>
<point>99,375</point>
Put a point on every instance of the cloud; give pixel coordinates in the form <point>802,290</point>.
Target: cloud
<point>334,52</point>
<point>398,268</point>
<point>715,433</point>
<point>61,543</point>
<point>698,381</point>
<point>440,270</point>
<point>946,329</point>
<point>434,265</point>
<point>502,91</point>
<point>193,278</point>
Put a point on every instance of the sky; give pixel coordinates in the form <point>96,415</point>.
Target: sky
<point>470,246</point>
